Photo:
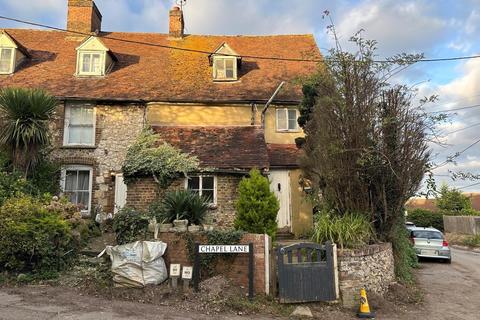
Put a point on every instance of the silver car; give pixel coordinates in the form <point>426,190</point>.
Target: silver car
<point>430,243</point>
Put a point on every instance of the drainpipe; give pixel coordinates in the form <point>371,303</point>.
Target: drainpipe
<point>270,101</point>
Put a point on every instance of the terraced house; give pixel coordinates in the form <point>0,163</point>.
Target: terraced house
<point>203,94</point>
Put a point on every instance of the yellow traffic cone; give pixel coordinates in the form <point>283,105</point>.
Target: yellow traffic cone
<point>364,311</point>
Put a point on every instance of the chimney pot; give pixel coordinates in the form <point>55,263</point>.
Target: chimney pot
<point>83,16</point>
<point>177,24</point>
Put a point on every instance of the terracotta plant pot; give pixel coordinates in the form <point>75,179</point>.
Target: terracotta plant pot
<point>180,225</point>
<point>194,228</point>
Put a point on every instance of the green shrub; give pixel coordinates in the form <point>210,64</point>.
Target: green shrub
<point>453,200</point>
<point>184,204</point>
<point>472,241</point>
<point>12,184</point>
<point>257,206</point>
<point>405,258</point>
<point>130,225</point>
<point>349,230</point>
<point>426,218</point>
<point>463,212</point>
<point>32,238</point>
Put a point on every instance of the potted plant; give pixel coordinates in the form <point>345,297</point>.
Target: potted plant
<point>185,208</point>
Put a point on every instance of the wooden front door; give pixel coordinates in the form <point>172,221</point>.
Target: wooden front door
<point>280,185</point>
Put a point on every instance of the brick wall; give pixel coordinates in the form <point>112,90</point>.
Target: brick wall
<point>117,127</point>
<point>144,191</point>
<point>83,16</point>
<point>235,269</point>
<point>370,267</point>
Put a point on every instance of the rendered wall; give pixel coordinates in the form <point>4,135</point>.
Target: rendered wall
<point>302,209</point>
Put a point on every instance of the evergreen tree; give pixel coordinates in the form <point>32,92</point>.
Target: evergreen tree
<point>257,206</point>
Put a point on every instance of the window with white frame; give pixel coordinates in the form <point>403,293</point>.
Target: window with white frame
<point>91,63</point>
<point>77,185</point>
<point>224,68</point>
<point>6,60</point>
<point>205,186</point>
<point>79,125</point>
<point>287,119</point>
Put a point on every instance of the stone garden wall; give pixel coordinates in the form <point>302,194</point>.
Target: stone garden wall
<point>370,267</point>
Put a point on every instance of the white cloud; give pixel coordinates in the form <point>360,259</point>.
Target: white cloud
<point>398,26</point>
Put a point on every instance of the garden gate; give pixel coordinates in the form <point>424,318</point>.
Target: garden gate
<point>306,272</point>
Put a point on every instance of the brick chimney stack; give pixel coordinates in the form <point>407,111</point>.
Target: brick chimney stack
<point>176,23</point>
<point>83,16</point>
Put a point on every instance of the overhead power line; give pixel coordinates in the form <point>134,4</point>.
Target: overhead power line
<point>470,185</point>
<point>464,128</point>
<point>209,52</point>
<point>455,109</point>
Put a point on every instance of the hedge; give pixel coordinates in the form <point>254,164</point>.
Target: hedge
<point>428,218</point>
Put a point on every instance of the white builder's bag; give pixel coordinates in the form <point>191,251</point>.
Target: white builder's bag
<point>138,264</point>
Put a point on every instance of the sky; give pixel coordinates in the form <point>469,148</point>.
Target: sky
<point>439,28</point>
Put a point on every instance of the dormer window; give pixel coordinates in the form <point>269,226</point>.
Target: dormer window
<point>12,53</point>
<point>91,63</point>
<point>6,60</point>
<point>94,58</point>
<point>225,62</point>
<point>225,68</point>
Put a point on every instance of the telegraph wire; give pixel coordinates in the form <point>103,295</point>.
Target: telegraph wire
<point>464,128</point>
<point>455,109</point>
<point>224,54</point>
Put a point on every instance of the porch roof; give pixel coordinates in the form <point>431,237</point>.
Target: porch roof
<point>219,147</point>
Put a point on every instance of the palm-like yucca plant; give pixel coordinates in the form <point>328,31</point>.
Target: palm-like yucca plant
<point>184,204</point>
<point>26,115</point>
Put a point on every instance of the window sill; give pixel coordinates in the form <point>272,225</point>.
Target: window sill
<point>78,146</point>
<point>289,131</point>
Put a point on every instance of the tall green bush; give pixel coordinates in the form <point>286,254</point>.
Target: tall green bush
<point>405,257</point>
<point>257,206</point>
<point>348,230</point>
<point>33,238</point>
<point>453,200</point>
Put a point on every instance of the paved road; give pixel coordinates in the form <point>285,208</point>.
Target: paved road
<point>452,291</point>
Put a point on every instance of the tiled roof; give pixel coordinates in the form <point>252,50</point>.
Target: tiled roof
<point>220,147</point>
<point>157,74</point>
<point>283,155</point>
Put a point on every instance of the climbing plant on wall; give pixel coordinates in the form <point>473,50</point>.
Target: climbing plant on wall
<point>149,157</point>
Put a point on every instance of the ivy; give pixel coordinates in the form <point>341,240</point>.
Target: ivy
<point>215,237</point>
<point>165,163</point>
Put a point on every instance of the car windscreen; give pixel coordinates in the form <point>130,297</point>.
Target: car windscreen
<point>427,234</point>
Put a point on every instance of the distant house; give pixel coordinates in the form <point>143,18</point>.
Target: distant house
<point>205,97</point>
<point>430,204</point>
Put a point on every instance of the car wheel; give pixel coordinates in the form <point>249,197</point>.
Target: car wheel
<point>449,261</point>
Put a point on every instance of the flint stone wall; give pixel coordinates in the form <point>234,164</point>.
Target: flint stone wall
<point>370,267</point>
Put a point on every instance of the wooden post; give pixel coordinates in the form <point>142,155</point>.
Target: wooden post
<point>250,271</point>
<point>196,267</point>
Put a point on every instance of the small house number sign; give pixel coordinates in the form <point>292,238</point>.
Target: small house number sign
<point>175,270</point>
<point>187,273</point>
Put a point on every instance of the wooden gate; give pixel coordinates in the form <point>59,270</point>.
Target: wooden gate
<point>306,273</point>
